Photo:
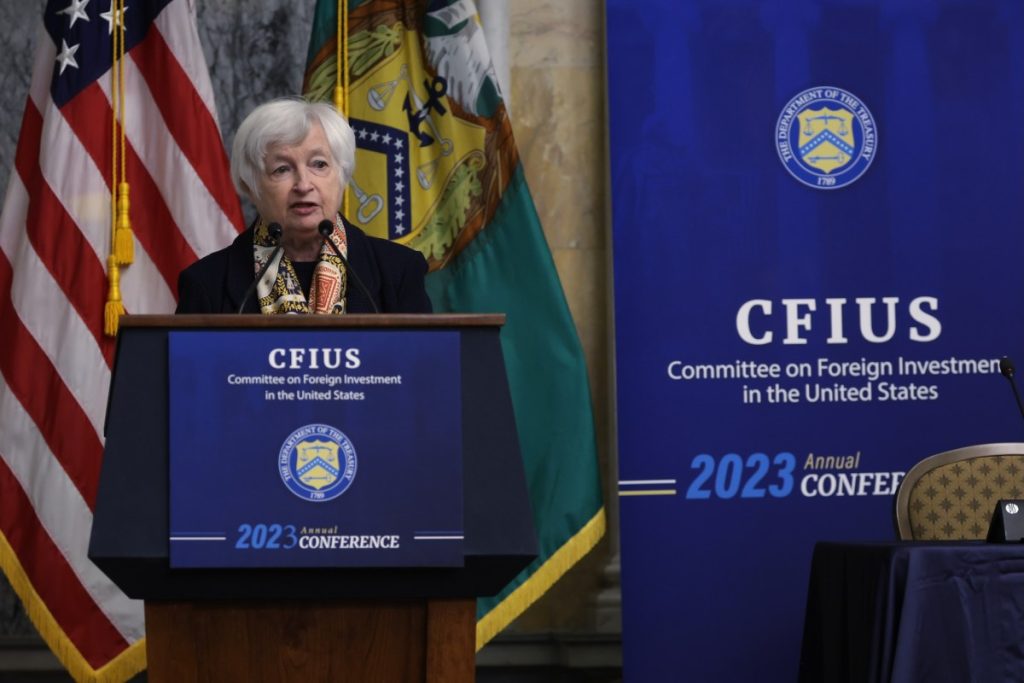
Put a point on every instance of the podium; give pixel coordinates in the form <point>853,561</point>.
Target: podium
<point>409,623</point>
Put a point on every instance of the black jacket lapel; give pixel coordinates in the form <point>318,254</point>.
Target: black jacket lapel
<point>240,274</point>
<point>361,258</point>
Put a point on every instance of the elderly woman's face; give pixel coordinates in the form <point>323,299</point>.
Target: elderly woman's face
<point>300,186</point>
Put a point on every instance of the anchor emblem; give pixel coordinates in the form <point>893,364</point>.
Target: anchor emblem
<point>418,114</point>
<point>417,153</point>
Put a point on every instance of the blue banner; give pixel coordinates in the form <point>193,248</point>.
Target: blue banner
<point>315,449</point>
<point>817,241</point>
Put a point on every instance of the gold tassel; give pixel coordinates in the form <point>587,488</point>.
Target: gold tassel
<point>114,309</point>
<point>339,99</point>
<point>543,577</point>
<point>125,665</point>
<point>124,245</point>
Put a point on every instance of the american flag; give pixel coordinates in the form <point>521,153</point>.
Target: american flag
<point>55,361</point>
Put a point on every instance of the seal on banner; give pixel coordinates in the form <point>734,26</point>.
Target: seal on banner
<point>826,137</point>
<point>317,462</point>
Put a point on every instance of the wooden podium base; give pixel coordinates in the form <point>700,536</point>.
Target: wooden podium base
<point>430,640</point>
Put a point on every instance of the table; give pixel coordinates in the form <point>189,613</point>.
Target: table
<point>923,611</point>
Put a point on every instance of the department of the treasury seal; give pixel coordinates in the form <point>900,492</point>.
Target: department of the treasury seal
<point>317,462</point>
<point>826,137</point>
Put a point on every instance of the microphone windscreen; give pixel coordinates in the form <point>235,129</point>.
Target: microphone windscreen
<point>275,231</point>
<point>1006,367</point>
<point>325,228</point>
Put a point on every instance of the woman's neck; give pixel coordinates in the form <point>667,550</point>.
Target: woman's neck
<point>305,250</point>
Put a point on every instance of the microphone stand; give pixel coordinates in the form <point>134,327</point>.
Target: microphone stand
<point>275,231</point>
<point>1007,370</point>
<point>325,228</point>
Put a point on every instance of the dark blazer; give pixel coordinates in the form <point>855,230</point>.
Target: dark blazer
<point>392,273</point>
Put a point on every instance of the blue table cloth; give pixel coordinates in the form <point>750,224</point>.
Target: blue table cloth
<point>914,612</point>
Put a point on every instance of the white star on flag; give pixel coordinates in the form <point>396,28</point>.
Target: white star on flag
<point>112,16</point>
<point>67,56</point>
<point>76,10</point>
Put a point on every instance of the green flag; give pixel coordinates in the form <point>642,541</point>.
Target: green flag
<point>437,170</point>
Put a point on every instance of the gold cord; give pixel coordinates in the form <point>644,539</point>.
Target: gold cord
<point>124,243</point>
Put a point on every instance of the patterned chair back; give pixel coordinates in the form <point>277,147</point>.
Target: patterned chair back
<point>951,496</point>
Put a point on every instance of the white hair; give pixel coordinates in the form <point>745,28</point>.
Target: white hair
<point>287,121</point>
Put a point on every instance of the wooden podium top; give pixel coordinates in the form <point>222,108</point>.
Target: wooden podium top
<point>248,320</point>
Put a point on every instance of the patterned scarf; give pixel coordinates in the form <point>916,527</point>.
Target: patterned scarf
<point>280,291</point>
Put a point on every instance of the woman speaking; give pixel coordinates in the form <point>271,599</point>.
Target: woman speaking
<point>293,159</point>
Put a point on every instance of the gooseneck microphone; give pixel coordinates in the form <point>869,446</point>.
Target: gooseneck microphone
<point>275,231</point>
<point>1007,370</point>
<point>325,228</point>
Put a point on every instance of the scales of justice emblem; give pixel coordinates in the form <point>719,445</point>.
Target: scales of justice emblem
<point>316,463</point>
<point>826,138</point>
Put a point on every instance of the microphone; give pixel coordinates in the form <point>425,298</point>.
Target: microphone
<point>275,231</point>
<point>325,228</point>
<point>1007,370</point>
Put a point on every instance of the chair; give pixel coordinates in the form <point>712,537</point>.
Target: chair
<point>950,496</point>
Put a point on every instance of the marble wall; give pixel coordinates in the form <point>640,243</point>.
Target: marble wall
<point>256,50</point>
<point>556,59</point>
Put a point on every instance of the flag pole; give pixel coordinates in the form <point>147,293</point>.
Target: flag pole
<point>114,308</point>
<point>124,245</point>
<point>341,83</point>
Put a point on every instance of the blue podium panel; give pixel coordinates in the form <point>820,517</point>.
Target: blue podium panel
<point>312,449</point>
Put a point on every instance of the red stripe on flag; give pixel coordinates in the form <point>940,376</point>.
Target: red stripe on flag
<point>42,393</point>
<point>89,115</point>
<point>197,136</point>
<point>57,239</point>
<point>77,614</point>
